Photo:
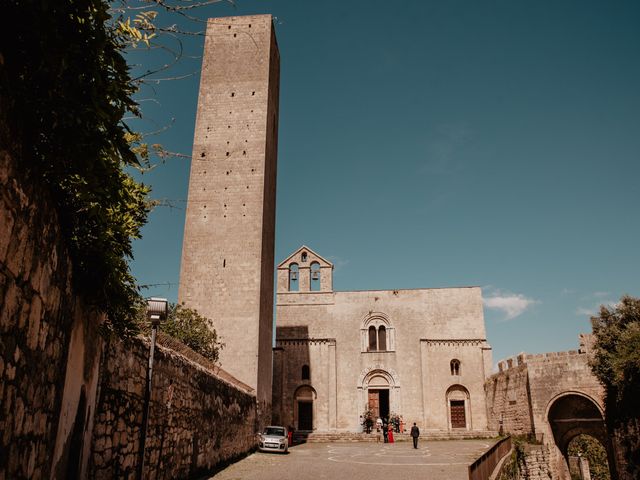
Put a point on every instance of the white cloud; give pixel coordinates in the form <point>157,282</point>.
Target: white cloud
<point>511,304</point>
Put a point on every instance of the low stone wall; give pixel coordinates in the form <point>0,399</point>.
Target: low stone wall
<point>196,421</point>
<point>533,462</point>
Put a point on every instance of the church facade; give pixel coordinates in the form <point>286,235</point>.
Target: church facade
<point>419,353</point>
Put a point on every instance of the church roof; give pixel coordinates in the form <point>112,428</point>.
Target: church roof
<point>323,261</point>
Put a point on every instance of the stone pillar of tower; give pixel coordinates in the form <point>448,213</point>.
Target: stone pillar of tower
<point>227,264</point>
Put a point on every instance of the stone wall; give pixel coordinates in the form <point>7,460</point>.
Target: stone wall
<point>526,389</point>
<point>47,370</point>
<point>196,419</point>
<point>533,462</point>
<point>508,399</point>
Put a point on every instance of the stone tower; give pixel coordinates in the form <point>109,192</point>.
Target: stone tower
<point>228,251</point>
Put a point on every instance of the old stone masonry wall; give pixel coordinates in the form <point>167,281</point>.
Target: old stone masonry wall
<point>196,420</point>
<point>533,463</point>
<point>42,331</point>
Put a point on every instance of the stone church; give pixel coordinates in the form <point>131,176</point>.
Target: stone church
<point>419,353</point>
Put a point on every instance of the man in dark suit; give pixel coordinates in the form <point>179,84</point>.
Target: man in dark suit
<point>415,433</point>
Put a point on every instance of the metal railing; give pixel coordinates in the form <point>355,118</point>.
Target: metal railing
<point>484,466</point>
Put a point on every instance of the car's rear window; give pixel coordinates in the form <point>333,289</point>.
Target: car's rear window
<point>275,431</point>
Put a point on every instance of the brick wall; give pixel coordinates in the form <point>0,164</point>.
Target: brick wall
<point>207,420</point>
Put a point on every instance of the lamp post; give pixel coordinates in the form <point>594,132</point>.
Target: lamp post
<point>156,312</point>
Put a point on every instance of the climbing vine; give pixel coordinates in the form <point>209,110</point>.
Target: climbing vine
<point>65,88</point>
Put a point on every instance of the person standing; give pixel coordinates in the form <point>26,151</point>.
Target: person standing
<point>415,433</point>
<point>385,430</point>
<point>390,434</point>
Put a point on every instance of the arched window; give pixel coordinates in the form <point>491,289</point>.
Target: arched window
<point>306,374</point>
<point>382,338</point>
<point>315,277</point>
<point>373,341</point>
<point>377,333</point>
<point>304,257</point>
<point>293,277</point>
<point>455,367</point>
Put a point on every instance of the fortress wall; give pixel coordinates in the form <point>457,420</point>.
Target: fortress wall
<point>196,420</point>
<point>554,374</point>
<point>508,401</point>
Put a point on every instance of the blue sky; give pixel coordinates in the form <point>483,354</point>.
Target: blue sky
<point>435,144</point>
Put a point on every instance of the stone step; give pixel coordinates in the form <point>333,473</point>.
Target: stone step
<point>328,437</point>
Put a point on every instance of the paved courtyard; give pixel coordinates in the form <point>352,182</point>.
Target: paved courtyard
<point>433,460</point>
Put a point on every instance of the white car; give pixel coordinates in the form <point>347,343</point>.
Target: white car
<point>274,439</point>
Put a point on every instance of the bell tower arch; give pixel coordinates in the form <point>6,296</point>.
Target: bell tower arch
<point>305,271</point>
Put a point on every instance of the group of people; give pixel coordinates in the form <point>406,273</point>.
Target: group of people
<point>387,429</point>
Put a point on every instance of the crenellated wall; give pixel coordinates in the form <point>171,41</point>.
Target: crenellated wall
<point>545,396</point>
<point>508,399</point>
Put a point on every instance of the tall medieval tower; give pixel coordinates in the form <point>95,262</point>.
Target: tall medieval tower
<point>228,251</point>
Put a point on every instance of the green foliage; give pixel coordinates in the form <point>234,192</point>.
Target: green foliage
<point>616,361</point>
<point>591,449</point>
<point>64,90</point>
<point>191,328</point>
<point>367,416</point>
<point>509,470</point>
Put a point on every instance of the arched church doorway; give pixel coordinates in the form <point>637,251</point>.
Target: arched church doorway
<point>378,396</point>
<point>458,407</point>
<point>572,415</point>
<point>303,411</point>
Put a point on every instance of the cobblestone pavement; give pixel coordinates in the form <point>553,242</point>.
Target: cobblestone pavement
<point>433,460</point>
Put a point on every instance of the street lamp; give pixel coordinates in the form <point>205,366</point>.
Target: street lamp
<point>156,312</point>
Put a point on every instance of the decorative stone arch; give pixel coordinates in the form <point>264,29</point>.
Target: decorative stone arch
<point>574,413</point>
<point>382,325</point>
<point>378,376</point>
<point>458,403</point>
<point>370,374</point>
<point>304,394</point>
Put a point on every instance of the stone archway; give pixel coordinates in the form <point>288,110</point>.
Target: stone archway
<point>381,385</point>
<point>574,413</point>
<point>458,408</point>
<point>304,408</point>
